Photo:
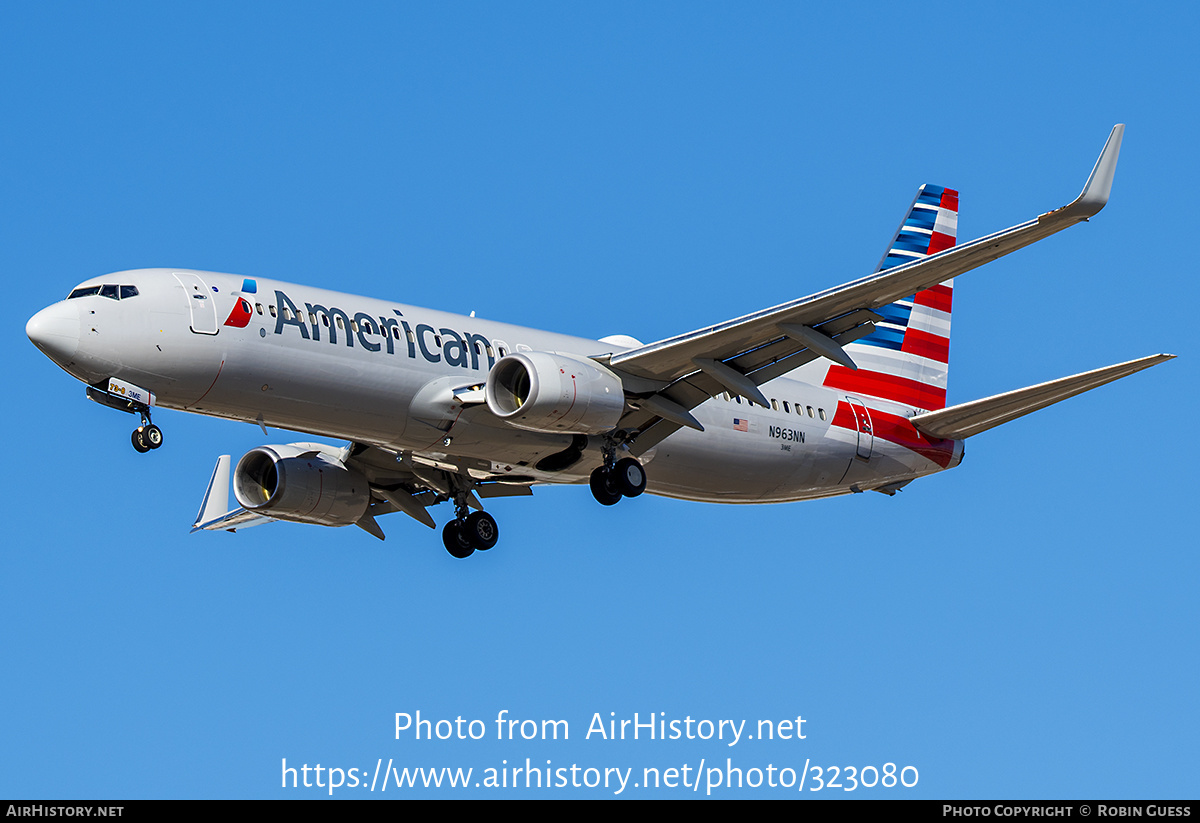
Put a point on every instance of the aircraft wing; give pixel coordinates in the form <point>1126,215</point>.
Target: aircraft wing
<point>399,482</point>
<point>675,375</point>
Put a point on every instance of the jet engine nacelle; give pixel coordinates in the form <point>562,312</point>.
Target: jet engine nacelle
<point>304,482</point>
<point>556,393</point>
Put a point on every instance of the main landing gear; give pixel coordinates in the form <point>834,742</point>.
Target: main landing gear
<point>146,436</point>
<point>468,533</point>
<point>626,478</point>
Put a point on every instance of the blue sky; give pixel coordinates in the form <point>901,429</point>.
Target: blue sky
<point>1023,626</point>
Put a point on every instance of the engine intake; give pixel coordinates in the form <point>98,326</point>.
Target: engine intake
<point>556,393</point>
<point>300,482</point>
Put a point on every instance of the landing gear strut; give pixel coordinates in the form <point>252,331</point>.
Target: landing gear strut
<point>468,533</point>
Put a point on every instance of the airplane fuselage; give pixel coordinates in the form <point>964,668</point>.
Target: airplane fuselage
<point>399,377</point>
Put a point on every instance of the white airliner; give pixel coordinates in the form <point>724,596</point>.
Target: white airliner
<point>842,391</point>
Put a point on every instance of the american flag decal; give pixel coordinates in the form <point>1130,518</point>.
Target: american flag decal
<point>741,424</point>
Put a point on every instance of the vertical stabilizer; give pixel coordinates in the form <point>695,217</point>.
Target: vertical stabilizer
<point>906,359</point>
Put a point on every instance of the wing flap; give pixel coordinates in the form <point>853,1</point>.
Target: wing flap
<point>968,419</point>
<point>698,387</point>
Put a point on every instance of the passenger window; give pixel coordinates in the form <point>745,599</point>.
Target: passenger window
<point>810,411</point>
<point>339,322</point>
<point>128,292</point>
<point>258,306</point>
<point>272,310</point>
<point>774,404</point>
<point>353,325</point>
<point>785,406</point>
<point>737,398</point>
<point>822,411</point>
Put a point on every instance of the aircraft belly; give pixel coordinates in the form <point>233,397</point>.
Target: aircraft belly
<point>727,463</point>
<point>476,432</point>
<point>767,456</point>
<point>333,393</point>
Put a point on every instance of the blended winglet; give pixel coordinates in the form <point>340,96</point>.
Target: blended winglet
<point>213,514</point>
<point>1099,183</point>
<point>216,496</point>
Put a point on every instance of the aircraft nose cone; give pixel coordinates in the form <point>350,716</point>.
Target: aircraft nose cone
<point>55,330</point>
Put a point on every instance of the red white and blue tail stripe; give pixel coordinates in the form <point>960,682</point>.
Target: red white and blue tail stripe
<point>906,359</point>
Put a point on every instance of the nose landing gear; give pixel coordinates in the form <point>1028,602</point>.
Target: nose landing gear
<point>131,399</point>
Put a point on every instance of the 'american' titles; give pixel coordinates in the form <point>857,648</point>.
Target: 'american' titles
<point>463,349</point>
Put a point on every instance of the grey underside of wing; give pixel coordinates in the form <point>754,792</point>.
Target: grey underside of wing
<point>968,419</point>
<point>762,364</point>
<point>410,483</point>
<point>239,518</point>
<point>672,358</point>
<point>754,345</point>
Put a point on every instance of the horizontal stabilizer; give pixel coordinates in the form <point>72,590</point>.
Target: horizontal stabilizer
<point>967,419</point>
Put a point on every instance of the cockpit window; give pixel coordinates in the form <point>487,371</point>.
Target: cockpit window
<point>112,292</point>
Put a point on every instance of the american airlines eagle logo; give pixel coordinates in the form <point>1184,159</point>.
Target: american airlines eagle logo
<point>239,318</point>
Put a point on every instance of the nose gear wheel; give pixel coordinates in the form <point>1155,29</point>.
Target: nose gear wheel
<point>146,437</point>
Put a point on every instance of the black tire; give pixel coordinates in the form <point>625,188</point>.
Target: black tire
<point>481,530</point>
<point>139,441</point>
<point>455,540</point>
<point>603,488</point>
<point>153,436</point>
<point>629,477</point>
